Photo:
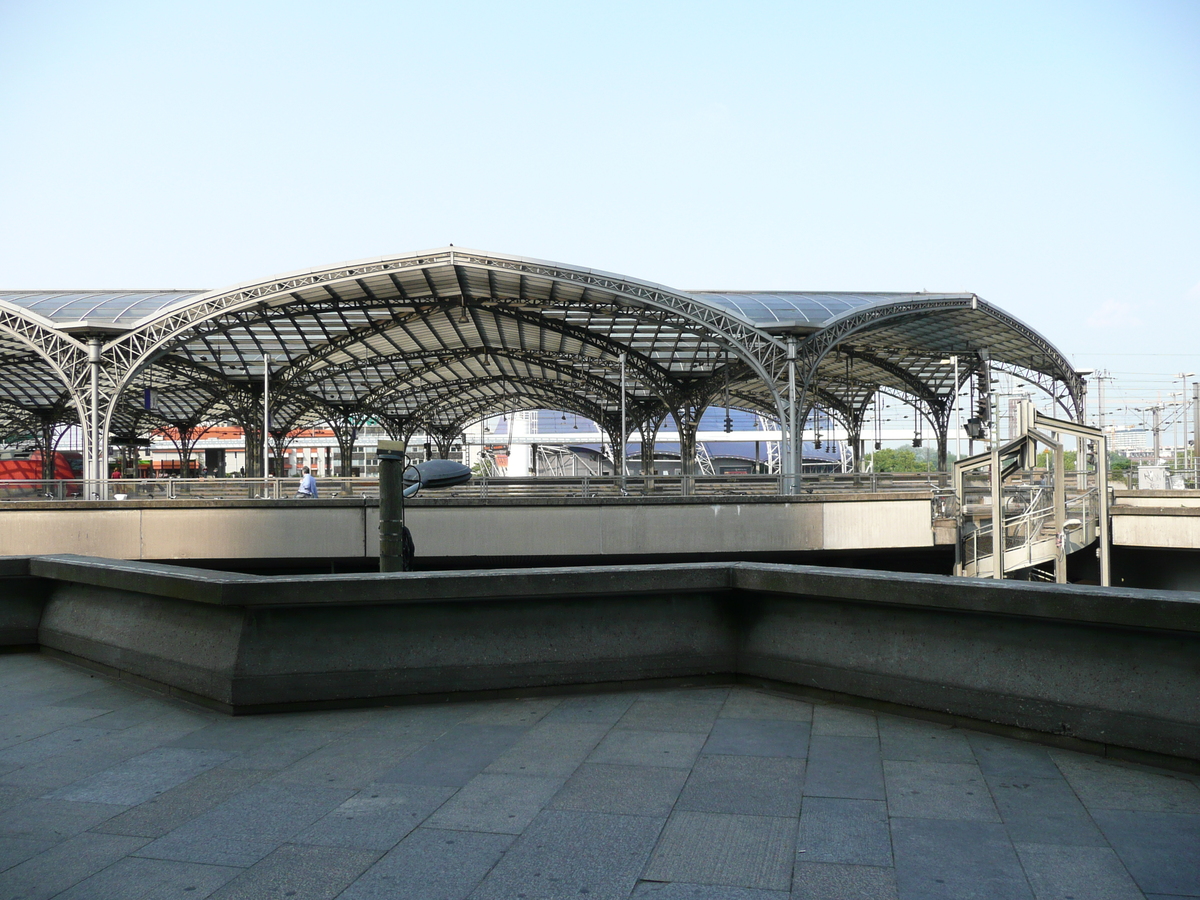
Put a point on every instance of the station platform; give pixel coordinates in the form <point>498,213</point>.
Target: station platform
<point>713,791</point>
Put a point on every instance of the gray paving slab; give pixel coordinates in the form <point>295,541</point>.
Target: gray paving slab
<point>717,694</point>
<point>247,733</point>
<point>65,865</point>
<point>376,818</point>
<point>597,709</point>
<point>1161,850</point>
<point>431,864</point>
<point>834,881</point>
<point>502,804</point>
<point>299,872</point>
<point>181,804</point>
<point>54,820</point>
<point>103,753</point>
<point>1038,810</point>
<point>1005,759</point>
<point>262,742</point>
<point>15,849</point>
<point>673,749</point>
<point>757,737</point>
<point>293,799</point>
<point>426,722</point>
<point>134,878</point>
<point>916,741</point>
<point>568,854</point>
<point>744,785</point>
<point>1109,784</point>
<point>550,748</point>
<point>248,827</point>
<point>512,712</point>
<point>839,721</point>
<point>1055,872</point>
<point>143,777</point>
<point>623,789</point>
<point>678,890</point>
<point>344,720</point>
<point>717,848</point>
<point>147,709</point>
<point>12,794</point>
<point>62,740</point>
<point>457,756</point>
<point>103,696</point>
<point>938,790</point>
<point>62,769</point>
<point>848,767</point>
<point>956,860</point>
<point>853,832</point>
<point>681,712</point>
<point>18,725</point>
<point>350,762</point>
<point>744,703</point>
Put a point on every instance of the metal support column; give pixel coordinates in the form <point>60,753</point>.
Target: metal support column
<point>998,530</point>
<point>1102,490</point>
<point>1060,512</point>
<point>266,429</point>
<point>391,506</point>
<point>624,432</point>
<point>96,464</point>
<point>1196,433</point>
<point>788,429</point>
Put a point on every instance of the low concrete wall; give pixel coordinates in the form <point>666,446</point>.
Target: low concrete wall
<point>22,598</point>
<point>1118,668</point>
<point>1165,499</point>
<point>1163,527</point>
<point>464,529</point>
<point>1115,668</point>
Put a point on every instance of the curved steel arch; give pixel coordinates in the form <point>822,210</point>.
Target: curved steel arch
<point>308,317</point>
<point>574,376</point>
<point>817,346</point>
<point>431,393</point>
<point>433,360</point>
<point>132,349</point>
<point>484,406</point>
<point>639,363</point>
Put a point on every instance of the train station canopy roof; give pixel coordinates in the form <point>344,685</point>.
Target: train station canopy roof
<point>431,341</point>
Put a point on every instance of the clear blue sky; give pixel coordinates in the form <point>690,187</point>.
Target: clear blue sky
<point>1044,155</point>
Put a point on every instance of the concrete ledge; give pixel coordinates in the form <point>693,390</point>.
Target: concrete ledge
<point>1116,668</point>
<point>473,528</point>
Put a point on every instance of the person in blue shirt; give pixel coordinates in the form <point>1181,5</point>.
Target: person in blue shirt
<point>308,486</point>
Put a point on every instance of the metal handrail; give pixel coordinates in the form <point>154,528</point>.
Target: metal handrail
<point>483,487</point>
<point>1025,527</point>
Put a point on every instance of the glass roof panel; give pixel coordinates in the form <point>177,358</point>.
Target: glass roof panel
<point>813,309</point>
<point>119,307</point>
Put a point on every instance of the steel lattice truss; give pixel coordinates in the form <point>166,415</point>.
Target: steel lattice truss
<point>434,341</point>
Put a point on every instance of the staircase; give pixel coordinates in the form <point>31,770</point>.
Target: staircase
<point>1044,512</point>
<point>1030,536</point>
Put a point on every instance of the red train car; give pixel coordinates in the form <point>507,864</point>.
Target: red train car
<point>27,466</point>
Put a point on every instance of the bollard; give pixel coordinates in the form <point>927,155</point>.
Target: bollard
<point>391,506</point>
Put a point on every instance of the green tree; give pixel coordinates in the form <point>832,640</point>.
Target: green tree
<point>902,460</point>
<point>1119,464</point>
<point>1045,459</point>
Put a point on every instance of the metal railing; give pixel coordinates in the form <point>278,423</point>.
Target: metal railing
<point>1030,535</point>
<point>484,487</point>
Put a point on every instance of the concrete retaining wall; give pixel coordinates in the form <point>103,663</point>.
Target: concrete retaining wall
<point>464,528</point>
<point>1119,668</point>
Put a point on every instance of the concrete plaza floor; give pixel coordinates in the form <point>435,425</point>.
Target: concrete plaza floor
<point>730,793</point>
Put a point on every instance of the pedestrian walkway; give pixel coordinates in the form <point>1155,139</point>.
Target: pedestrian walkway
<point>724,793</point>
